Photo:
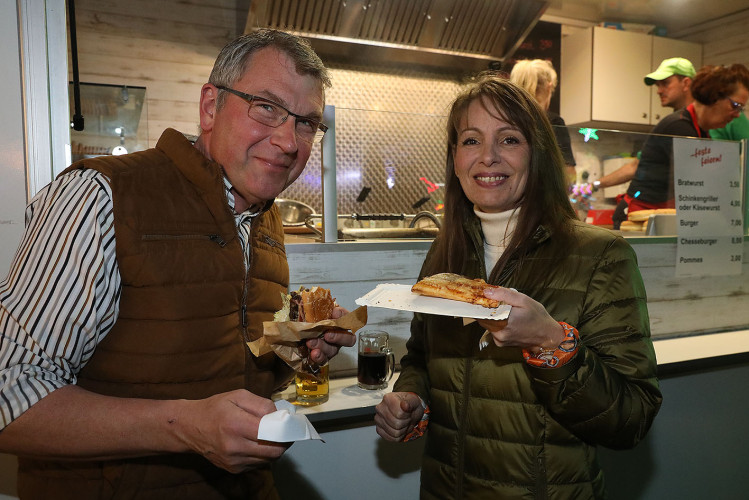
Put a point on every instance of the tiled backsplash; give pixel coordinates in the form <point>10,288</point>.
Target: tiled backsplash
<point>390,138</point>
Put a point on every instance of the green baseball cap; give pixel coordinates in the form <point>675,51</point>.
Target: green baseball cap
<point>669,67</point>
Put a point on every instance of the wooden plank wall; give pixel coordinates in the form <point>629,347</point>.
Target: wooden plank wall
<point>725,41</point>
<point>167,46</point>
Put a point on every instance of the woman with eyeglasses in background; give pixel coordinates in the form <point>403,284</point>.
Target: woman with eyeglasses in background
<point>720,94</point>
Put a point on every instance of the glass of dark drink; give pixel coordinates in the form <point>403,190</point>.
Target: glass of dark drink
<point>376,360</point>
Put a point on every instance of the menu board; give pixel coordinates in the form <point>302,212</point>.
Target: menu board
<point>709,219</point>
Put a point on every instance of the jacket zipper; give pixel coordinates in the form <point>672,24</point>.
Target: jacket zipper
<point>273,243</point>
<point>463,418</point>
<point>212,237</point>
<point>462,424</point>
<point>540,479</point>
<point>243,308</point>
<point>243,311</point>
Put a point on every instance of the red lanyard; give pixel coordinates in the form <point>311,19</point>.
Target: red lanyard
<point>690,108</point>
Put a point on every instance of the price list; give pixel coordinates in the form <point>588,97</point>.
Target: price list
<point>709,218</point>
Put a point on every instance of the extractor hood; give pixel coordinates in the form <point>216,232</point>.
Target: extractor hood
<point>450,36</point>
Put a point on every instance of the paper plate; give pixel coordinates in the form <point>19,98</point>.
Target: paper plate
<point>400,297</point>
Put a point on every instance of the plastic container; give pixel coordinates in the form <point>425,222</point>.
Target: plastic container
<point>599,217</point>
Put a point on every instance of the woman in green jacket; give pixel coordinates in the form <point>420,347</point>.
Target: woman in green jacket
<point>571,368</point>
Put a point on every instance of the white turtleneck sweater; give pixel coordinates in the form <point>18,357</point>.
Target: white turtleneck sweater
<point>497,229</point>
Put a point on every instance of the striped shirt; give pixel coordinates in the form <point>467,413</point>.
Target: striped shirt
<point>61,296</point>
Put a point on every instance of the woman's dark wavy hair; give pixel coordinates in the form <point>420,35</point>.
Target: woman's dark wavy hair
<point>545,200</point>
<point>713,83</point>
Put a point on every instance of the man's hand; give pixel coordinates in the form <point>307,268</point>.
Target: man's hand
<point>397,415</point>
<point>529,325</point>
<point>224,427</point>
<point>322,349</point>
<point>72,423</point>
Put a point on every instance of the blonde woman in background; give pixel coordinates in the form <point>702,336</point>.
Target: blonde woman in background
<point>539,78</point>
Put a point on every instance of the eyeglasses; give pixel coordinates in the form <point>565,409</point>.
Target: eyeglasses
<point>272,114</point>
<point>736,106</point>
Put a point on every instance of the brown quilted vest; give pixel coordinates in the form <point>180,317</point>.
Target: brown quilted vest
<point>187,308</point>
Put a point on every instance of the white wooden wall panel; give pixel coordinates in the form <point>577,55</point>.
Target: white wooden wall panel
<point>198,12</point>
<point>699,315</point>
<point>42,35</point>
<point>139,48</point>
<point>145,70</point>
<point>168,47</point>
<point>663,283</point>
<point>725,40</point>
<point>12,158</point>
<point>138,17</point>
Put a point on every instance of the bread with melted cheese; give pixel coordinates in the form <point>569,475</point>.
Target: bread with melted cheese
<point>455,287</point>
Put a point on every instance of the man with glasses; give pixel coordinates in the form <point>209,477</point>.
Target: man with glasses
<point>138,282</point>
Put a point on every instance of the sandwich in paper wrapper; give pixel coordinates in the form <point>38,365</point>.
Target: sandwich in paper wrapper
<point>286,337</point>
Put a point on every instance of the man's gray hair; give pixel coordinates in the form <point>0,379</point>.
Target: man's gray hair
<point>232,60</point>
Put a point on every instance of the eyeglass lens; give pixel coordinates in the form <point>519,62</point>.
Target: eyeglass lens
<point>272,115</point>
<point>736,106</point>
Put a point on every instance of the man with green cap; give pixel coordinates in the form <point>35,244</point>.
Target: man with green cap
<point>673,78</point>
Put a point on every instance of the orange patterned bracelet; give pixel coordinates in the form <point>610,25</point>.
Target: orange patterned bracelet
<point>552,358</point>
<point>420,427</point>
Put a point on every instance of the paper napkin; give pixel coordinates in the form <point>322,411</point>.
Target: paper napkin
<point>284,425</point>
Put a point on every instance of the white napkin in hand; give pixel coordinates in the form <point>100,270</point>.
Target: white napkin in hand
<point>285,426</point>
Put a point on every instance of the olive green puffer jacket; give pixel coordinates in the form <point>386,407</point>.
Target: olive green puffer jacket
<point>501,429</point>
